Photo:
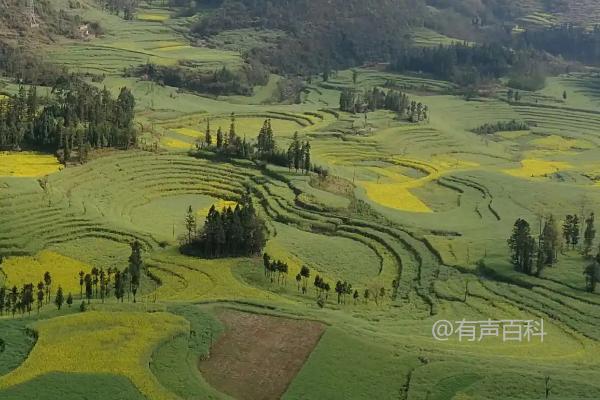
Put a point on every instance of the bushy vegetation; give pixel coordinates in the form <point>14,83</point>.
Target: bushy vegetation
<point>220,82</point>
<point>502,126</point>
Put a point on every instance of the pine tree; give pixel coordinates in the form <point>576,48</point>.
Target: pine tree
<point>60,299</point>
<point>190,225</point>
<point>219,138</point>
<point>306,163</point>
<point>207,134</point>
<point>135,267</point>
<point>589,235</point>
<point>522,246</point>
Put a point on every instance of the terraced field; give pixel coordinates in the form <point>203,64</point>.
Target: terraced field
<point>417,215</point>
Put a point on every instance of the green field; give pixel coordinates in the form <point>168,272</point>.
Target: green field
<point>423,204</point>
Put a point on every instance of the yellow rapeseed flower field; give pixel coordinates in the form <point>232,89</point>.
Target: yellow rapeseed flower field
<point>148,17</point>
<point>536,168</point>
<point>64,270</point>
<point>555,142</point>
<point>175,143</point>
<point>25,164</point>
<point>101,342</point>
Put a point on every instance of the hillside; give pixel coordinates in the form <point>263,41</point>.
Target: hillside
<point>263,200</point>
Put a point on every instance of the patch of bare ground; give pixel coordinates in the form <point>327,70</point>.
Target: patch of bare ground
<point>258,356</point>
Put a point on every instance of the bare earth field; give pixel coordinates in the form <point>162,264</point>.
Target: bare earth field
<point>258,356</point>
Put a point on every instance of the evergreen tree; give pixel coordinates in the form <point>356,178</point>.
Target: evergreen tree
<point>589,235</point>
<point>135,267</point>
<point>522,246</point>
<point>208,134</point>
<point>59,299</point>
<point>69,300</point>
<point>219,138</point>
<point>190,224</point>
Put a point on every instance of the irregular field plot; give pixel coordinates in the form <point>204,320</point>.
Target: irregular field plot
<point>258,356</point>
<point>100,342</point>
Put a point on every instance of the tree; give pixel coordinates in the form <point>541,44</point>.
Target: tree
<point>355,296</point>
<point>366,295</point>
<point>219,138</point>
<point>592,274</point>
<point>69,300</point>
<point>207,134</point>
<point>40,296</point>
<point>59,299</point>
<point>48,283</point>
<point>564,95</point>
<point>574,231</point>
<point>190,224</point>
<point>298,280</point>
<point>89,289</point>
<point>522,246</point>
<point>135,267</point>
<point>306,161</point>
<point>81,281</point>
<point>589,235</point>
<point>550,241</point>
<point>305,273</point>
<point>339,289</point>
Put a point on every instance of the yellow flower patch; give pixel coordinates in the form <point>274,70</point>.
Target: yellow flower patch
<point>555,142</point>
<point>101,342</point>
<point>63,270</point>
<point>152,17</point>
<point>535,168</point>
<point>175,143</point>
<point>30,165</point>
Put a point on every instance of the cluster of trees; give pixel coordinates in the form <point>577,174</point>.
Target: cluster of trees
<point>76,118</point>
<point>377,99</point>
<point>502,126</point>
<point>275,268</point>
<point>221,82</point>
<point>127,7</point>
<point>567,40</point>
<point>467,64</point>
<point>531,256</point>
<point>297,156</point>
<point>229,233</point>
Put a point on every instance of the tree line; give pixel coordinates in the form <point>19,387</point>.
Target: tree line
<point>98,283</point>
<point>470,64</point>
<point>297,156</point>
<point>220,82</point>
<point>230,232</point>
<point>276,271</point>
<point>531,255</point>
<point>75,118</point>
<point>501,126</point>
<point>352,100</point>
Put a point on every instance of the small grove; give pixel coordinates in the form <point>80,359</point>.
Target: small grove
<point>531,255</point>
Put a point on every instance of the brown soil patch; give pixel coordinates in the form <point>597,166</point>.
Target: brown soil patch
<point>257,356</point>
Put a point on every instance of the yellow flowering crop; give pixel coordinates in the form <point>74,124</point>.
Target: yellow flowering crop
<point>175,143</point>
<point>63,270</point>
<point>101,342</point>
<point>27,164</point>
<point>535,167</point>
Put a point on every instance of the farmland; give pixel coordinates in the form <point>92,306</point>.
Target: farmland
<point>415,214</point>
